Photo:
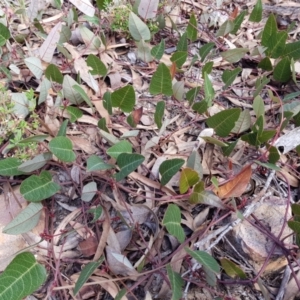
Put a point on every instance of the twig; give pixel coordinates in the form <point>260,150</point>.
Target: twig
<point>285,279</point>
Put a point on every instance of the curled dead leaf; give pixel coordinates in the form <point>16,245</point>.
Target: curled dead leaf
<point>119,264</point>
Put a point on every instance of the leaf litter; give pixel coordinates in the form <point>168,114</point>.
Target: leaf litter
<point>195,164</point>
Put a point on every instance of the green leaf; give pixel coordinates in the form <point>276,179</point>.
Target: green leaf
<point>179,58</point>
<point>102,125</point>
<point>4,34</point>
<point>137,28</point>
<point>279,44</point>
<point>213,141</point>
<point>6,72</point>
<point>91,40</point>
<point>53,74</point>
<point>36,163</point>
<point>26,220</point>
<point>210,276</point>
<point>273,155</point>
<point>121,294</point>
<point>158,51</point>
<point>176,283</point>
<point>292,50</point>
<point>98,67</point>
<point>69,93</point>
<point>159,113</point>
<point>37,188</point>
<point>224,121</point>
<point>225,28</point>
<point>293,107</point>
<point>182,43</point>
<point>268,165</point>
<point>109,137</point>
<point>200,107</point>
<point>259,106</point>
<point>102,4</point>
<point>282,71</point>
<point>232,269</point>
<point>97,212</point>
<point>269,32</point>
<point>287,116</point>
<point>119,148</point>
<point>204,259</point>
<point>124,98</point>
<point>107,102</point>
<point>75,113</point>
<point>128,162</point>
<point>83,94</point>
<point>209,91</point>
<point>260,83</point>
<point>191,95</point>
<point>172,220</point>
<point>266,64</point>
<point>130,121</point>
<point>229,148</point>
<point>89,191</point>
<point>95,163</point>
<point>161,81</point>
<point>229,76</point>
<point>256,14</point>
<point>86,272</point>
<point>34,139</point>
<point>243,123</point>
<point>266,136</point>
<point>169,168</point>
<point>251,138</point>
<point>234,55</point>
<point>295,226</point>
<point>144,51</point>
<point>62,147</point>
<point>188,178</point>
<point>22,277</point>
<point>205,50</point>
<point>65,34</point>
<point>191,30</point>
<point>9,167</point>
<point>238,22</point>
<point>63,128</point>
<point>291,96</point>
<point>295,209</point>
<point>258,126</point>
<point>207,68</point>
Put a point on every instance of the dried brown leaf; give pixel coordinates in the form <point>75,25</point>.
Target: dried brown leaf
<point>88,247</point>
<point>137,114</point>
<point>82,144</point>
<point>237,185</point>
<point>234,14</point>
<point>173,70</point>
<point>115,80</point>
